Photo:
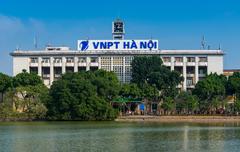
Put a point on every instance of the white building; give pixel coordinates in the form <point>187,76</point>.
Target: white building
<point>54,61</point>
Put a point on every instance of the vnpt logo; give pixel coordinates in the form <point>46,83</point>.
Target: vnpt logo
<point>83,45</point>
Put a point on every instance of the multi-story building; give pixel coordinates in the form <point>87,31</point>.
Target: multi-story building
<point>229,72</point>
<point>50,63</point>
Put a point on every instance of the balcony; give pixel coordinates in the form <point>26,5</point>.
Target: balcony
<point>202,63</point>
<point>70,64</point>
<point>94,64</point>
<point>178,63</point>
<point>46,76</point>
<point>167,63</point>
<point>46,64</point>
<point>190,86</point>
<point>201,75</point>
<point>82,64</point>
<point>190,74</point>
<point>191,63</point>
<point>33,64</point>
<point>57,75</point>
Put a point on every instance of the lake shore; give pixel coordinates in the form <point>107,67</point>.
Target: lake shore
<point>172,119</point>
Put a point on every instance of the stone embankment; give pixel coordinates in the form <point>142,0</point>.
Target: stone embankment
<point>197,119</point>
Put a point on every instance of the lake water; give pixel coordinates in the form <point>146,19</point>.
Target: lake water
<point>118,137</point>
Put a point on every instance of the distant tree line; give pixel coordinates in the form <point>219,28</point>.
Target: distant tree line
<point>89,95</point>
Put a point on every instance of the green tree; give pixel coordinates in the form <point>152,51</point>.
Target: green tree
<point>233,86</point>
<point>29,100</point>
<point>192,104</point>
<point>83,96</point>
<point>168,105</point>
<point>26,79</point>
<point>149,70</point>
<point>237,106</point>
<point>211,87</point>
<point>149,91</point>
<point>142,66</point>
<point>130,91</point>
<point>5,84</point>
<point>106,83</point>
<point>181,102</point>
<point>25,101</point>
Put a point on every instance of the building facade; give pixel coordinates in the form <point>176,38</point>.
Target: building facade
<point>229,72</point>
<point>51,62</point>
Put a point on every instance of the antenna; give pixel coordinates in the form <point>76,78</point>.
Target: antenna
<point>35,42</point>
<point>17,47</point>
<point>203,43</point>
<point>219,47</point>
<point>209,47</point>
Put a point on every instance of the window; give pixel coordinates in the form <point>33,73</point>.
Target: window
<point>94,59</point>
<point>69,59</point>
<point>81,69</point>
<point>69,69</point>
<point>45,60</point>
<point>46,72</point>
<point>33,70</point>
<point>202,70</point>
<point>57,60</point>
<point>105,60</point>
<point>166,59</point>
<point>117,60</point>
<point>128,60</point>
<point>190,59</point>
<point>189,81</point>
<point>178,69</point>
<point>178,59</point>
<point>34,60</point>
<point>82,60</point>
<point>202,59</point>
<point>93,68</point>
<point>190,70</point>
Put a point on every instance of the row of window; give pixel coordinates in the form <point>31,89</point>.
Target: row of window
<point>180,59</point>
<point>68,60</point>
<point>107,60</point>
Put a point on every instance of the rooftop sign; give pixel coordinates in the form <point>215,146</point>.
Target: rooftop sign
<point>94,45</point>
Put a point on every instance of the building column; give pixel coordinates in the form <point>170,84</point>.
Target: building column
<point>51,71</point>
<point>99,62</point>
<point>184,74</point>
<point>124,73</point>
<point>75,64</point>
<point>196,70</point>
<point>40,66</point>
<point>172,63</point>
<point>88,62</point>
<point>111,64</point>
<point>63,65</point>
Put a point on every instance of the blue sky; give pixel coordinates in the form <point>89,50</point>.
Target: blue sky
<point>177,24</point>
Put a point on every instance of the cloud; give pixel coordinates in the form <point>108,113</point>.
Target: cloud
<point>16,32</point>
<point>11,24</point>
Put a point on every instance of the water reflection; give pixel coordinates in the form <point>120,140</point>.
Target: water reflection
<point>112,136</point>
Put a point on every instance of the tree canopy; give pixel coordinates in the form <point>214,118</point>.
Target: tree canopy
<point>234,84</point>
<point>25,79</point>
<point>212,86</point>
<point>83,96</point>
<point>150,70</point>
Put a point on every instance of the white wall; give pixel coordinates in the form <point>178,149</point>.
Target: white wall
<point>20,63</point>
<point>215,64</point>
